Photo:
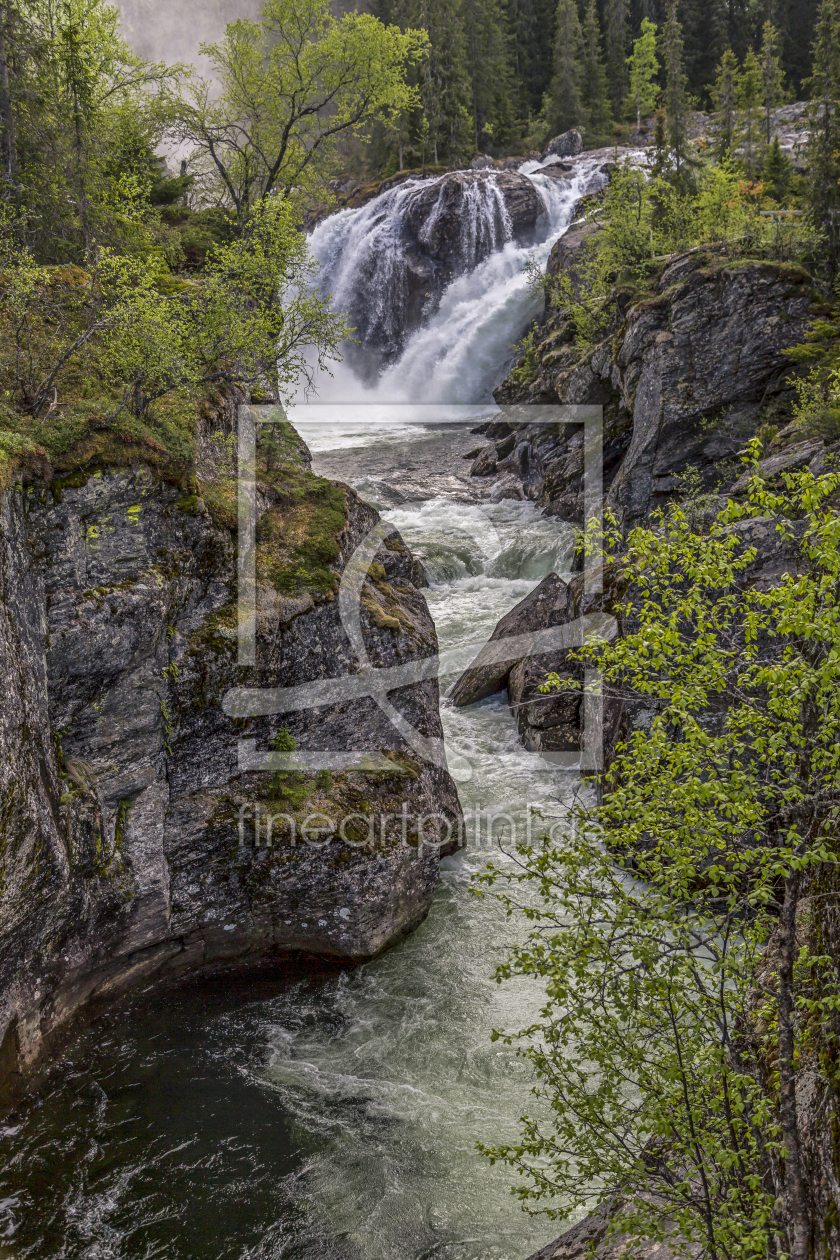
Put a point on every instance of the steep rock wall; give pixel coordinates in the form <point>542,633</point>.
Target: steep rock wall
<point>128,829</point>
<point>685,380</point>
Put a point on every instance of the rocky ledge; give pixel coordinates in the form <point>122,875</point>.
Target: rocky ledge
<point>142,832</point>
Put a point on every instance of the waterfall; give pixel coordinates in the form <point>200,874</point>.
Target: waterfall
<point>438,324</point>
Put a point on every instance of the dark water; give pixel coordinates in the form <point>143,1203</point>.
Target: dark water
<point>151,1135</point>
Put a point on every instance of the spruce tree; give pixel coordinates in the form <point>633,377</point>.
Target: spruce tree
<point>796,22</point>
<point>489,71</point>
<point>824,140</point>
<point>596,106</point>
<point>564,106</point>
<point>643,66</point>
<point>617,22</point>
<point>725,100</point>
<point>704,24</point>
<point>771,75</point>
<point>531,32</point>
<point>675,96</point>
<point>445,85</point>
<point>749,100</point>
<point>777,173</point>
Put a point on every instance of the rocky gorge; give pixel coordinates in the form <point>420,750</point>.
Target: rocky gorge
<point>139,843</point>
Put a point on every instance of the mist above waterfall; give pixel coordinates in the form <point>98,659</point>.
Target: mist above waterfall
<point>172,32</point>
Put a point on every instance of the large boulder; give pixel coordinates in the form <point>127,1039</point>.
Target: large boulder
<point>142,834</point>
<point>570,144</point>
<point>546,723</point>
<point>459,220</point>
<point>547,605</point>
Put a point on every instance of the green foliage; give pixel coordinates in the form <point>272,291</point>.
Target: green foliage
<point>283,90</point>
<point>643,219</point>
<point>298,542</point>
<point>675,95</point>
<point>564,104</point>
<point>617,39</point>
<point>251,318</point>
<point>796,21</point>
<point>489,69</point>
<point>643,68</point>
<point>778,172</point>
<point>725,98</point>
<point>527,367</point>
<point>817,404</point>
<point>324,781</point>
<point>81,115</point>
<point>594,101</point>
<point>772,75</point>
<point>824,137</point>
<point>749,100</point>
<point>706,27</point>
<point>672,1039</point>
<point>288,785</point>
<point>444,85</point>
<point>124,811</point>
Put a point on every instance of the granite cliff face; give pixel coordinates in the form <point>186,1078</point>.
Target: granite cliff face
<point>685,379</point>
<point>133,843</point>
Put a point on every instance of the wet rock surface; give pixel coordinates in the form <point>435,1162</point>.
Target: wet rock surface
<point>547,605</point>
<point>441,217</point>
<point>408,244</point>
<point>569,144</point>
<point>589,1240</point>
<point>135,841</point>
<point>684,381</point>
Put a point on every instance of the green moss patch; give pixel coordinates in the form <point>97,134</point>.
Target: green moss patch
<point>298,540</point>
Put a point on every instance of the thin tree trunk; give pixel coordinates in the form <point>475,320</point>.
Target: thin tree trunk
<point>84,204</point>
<point>6,117</point>
<point>798,1216</point>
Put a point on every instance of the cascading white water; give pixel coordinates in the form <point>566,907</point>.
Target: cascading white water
<point>458,354</point>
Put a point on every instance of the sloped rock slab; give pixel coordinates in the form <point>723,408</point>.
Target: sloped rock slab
<point>786,461</point>
<point>547,605</point>
<point>588,1240</point>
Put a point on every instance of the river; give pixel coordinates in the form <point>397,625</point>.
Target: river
<point>333,1114</point>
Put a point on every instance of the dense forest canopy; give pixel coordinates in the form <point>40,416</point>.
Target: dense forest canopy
<point>503,73</point>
